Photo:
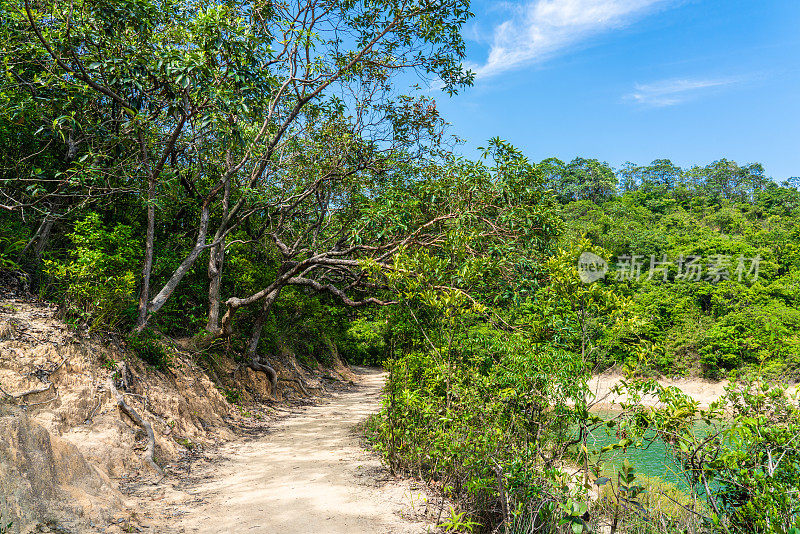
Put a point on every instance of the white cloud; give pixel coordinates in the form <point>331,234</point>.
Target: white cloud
<point>541,28</point>
<point>675,91</point>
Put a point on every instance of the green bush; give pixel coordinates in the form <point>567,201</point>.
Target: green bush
<point>497,405</point>
<point>13,238</point>
<point>364,342</point>
<point>739,457</point>
<point>96,279</point>
<point>147,346</point>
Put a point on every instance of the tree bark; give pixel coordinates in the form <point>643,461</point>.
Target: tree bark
<point>216,261</point>
<point>255,337</point>
<point>161,298</point>
<point>41,243</point>
<point>147,268</point>
<point>152,178</point>
<point>42,232</point>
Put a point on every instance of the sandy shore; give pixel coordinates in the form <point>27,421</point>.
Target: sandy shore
<point>703,391</point>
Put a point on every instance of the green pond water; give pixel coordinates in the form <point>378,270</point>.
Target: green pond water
<point>655,460</point>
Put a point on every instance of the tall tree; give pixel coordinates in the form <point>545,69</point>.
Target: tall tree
<point>220,100</point>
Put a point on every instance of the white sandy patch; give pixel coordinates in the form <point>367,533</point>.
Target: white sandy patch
<point>703,391</point>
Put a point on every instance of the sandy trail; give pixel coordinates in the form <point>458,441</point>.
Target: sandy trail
<point>309,474</point>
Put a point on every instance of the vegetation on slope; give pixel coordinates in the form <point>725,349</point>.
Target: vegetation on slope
<point>487,399</point>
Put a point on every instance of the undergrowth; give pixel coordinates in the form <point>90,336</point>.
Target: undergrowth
<point>147,346</point>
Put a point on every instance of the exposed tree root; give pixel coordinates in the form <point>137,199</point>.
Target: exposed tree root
<point>94,411</point>
<point>43,374</point>
<point>24,394</point>
<point>299,384</point>
<point>133,414</point>
<point>256,365</point>
<point>18,396</point>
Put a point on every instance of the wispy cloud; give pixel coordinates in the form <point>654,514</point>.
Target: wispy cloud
<point>539,29</point>
<point>674,91</point>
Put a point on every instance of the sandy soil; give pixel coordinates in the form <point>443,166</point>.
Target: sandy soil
<point>703,391</point>
<point>308,474</point>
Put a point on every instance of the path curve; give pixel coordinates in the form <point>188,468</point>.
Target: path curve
<point>309,474</point>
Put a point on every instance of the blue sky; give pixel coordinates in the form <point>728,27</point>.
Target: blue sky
<point>635,80</point>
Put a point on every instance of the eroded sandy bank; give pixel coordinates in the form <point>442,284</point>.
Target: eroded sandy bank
<point>703,391</point>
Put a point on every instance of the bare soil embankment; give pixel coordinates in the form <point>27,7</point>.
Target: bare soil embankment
<point>703,391</point>
<point>65,445</point>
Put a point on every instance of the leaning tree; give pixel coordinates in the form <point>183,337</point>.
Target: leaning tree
<point>222,104</point>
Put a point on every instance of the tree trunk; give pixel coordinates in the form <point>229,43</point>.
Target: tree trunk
<point>216,261</point>
<point>147,268</point>
<point>161,298</point>
<point>152,179</point>
<point>252,346</point>
<point>39,243</point>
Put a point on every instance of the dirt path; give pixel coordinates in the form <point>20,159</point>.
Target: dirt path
<point>309,474</point>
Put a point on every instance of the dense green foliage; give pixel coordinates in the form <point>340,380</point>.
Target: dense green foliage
<point>146,345</point>
<point>707,326</point>
<point>743,463</point>
<point>258,176</point>
<point>488,398</point>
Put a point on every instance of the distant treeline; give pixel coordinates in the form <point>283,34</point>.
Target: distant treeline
<point>592,179</point>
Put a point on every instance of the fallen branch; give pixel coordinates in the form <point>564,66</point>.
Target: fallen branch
<point>148,428</point>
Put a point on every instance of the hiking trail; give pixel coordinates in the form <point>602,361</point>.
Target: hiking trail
<point>307,474</point>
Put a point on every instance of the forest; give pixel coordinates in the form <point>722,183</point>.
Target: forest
<point>254,175</point>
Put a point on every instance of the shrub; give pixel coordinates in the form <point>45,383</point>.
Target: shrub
<point>147,346</point>
<point>12,241</point>
<point>742,463</point>
<point>496,411</point>
<point>364,342</point>
<point>96,280</point>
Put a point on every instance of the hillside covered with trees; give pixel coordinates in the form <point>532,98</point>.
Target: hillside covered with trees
<point>260,175</point>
